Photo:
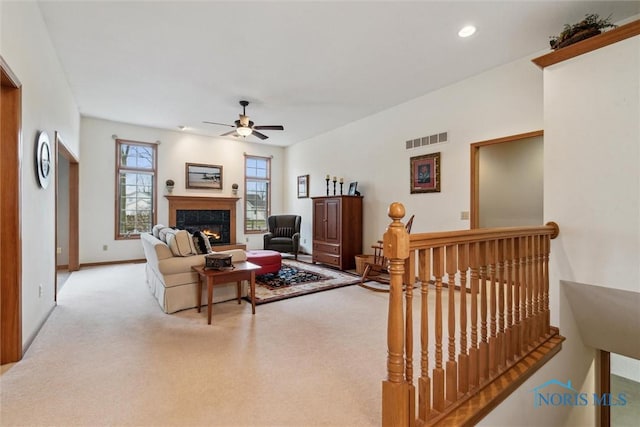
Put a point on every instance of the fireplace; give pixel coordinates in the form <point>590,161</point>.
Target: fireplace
<point>214,223</point>
<point>215,214</point>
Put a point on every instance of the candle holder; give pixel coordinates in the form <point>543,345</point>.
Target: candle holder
<point>334,186</point>
<point>341,188</point>
<point>327,179</point>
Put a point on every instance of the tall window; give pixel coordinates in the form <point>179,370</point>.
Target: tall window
<point>257,195</point>
<point>135,188</point>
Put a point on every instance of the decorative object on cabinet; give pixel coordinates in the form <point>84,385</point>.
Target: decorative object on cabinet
<point>353,189</point>
<point>337,230</point>
<point>234,188</point>
<point>43,159</point>
<point>425,173</point>
<point>590,26</point>
<point>199,175</point>
<point>341,184</point>
<point>303,186</point>
<point>327,179</point>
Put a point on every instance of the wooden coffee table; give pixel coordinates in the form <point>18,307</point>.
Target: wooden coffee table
<point>243,270</point>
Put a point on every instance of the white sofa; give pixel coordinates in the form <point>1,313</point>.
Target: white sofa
<point>170,277</point>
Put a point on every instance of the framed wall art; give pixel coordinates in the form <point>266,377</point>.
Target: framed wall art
<point>198,175</point>
<point>425,173</point>
<point>303,186</point>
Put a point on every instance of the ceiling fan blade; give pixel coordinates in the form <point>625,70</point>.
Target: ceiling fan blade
<point>270,127</point>
<point>231,132</point>
<point>221,124</point>
<point>259,135</point>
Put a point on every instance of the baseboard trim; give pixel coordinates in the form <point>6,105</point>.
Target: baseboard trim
<point>124,261</point>
<point>35,333</point>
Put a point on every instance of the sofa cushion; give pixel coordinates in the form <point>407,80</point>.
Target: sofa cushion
<point>283,232</point>
<point>180,242</point>
<point>201,241</point>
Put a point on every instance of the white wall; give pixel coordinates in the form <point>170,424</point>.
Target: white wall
<point>97,181</point>
<point>511,183</point>
<point>592,190</point>
<point>504,101</point>
<point>47,104</point>
<point>625,367</point>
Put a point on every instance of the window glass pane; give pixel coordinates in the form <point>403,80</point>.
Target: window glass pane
<point>135,189</point>
<point>257,196</point>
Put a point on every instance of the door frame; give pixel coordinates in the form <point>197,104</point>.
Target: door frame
<point>10,215</point>
<point>475,147</point>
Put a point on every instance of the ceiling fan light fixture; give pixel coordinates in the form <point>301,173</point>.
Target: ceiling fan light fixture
<point>244,131</point>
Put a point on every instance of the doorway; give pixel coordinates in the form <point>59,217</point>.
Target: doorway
<point>507,181</point>
<point>10,235</point>
<point>67,194</point>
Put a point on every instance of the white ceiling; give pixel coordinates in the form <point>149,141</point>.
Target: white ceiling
<point>310,66</point>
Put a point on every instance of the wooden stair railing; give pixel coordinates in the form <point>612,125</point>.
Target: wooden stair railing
<point>497,292</point>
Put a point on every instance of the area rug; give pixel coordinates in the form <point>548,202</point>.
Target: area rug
<point>297,278</point>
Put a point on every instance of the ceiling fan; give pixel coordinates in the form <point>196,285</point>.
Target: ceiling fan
<point>244,127</point>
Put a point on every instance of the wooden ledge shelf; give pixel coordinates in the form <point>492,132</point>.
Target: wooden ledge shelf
<point>601,40</point>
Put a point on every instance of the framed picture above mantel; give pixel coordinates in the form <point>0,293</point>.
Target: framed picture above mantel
<point>199,175</point>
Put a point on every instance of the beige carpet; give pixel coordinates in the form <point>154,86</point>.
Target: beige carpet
<point>109,356</point>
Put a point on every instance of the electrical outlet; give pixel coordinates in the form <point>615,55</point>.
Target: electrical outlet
<point>304,241</point>
<point>58,251</point>
<point>246,240</point>
<point>105,247</point>
<point>464,215</point>
<point>40,290</point>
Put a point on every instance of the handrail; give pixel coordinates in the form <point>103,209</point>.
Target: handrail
<point>495,309</point>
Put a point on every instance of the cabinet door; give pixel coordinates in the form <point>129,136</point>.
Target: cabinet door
<point>319,223</point>
<point>332,220</point>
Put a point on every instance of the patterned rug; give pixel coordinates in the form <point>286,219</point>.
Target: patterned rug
<point>297,278</point>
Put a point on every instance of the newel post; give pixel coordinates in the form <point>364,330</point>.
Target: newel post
<point>396,398</point>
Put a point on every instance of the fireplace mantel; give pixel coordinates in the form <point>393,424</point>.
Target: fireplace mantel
<point>203,203</point>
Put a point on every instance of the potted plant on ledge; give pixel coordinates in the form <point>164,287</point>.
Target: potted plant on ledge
<point>590,26</point>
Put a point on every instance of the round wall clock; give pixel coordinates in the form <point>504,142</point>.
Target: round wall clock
<point>43,159</point>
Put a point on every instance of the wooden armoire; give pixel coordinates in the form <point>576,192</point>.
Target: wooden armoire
<point>337,230</point>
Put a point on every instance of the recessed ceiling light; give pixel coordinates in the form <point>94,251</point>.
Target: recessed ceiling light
<point>467,31</point>
<point>181,127</point>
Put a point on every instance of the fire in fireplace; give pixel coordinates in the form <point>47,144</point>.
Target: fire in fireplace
<point>216,224</point>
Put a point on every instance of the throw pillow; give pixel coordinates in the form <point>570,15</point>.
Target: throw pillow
<point>156,230</point>
<point>180,242</point>
<point>283,232</point>
<point>203,246</point>
<point>162,233</point>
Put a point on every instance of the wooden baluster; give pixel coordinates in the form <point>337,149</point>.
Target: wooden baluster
<point>395,390</point>
<point>484,344</point>
<point>474,357</point>
<point>493,352</point>
<point>452,365</point>
<point>509,255</point>
<point>530,287</point>
<point>409,267</point>
<point>547,316</point>
<point>501,341</point>
<point>517,275</point>
<point>538,280</point>
<point>463,358</point>
<point>424,382</point>
<point>438,371</point>
<point>523,296</point>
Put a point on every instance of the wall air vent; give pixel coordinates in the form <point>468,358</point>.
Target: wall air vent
<point>436,138</point>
